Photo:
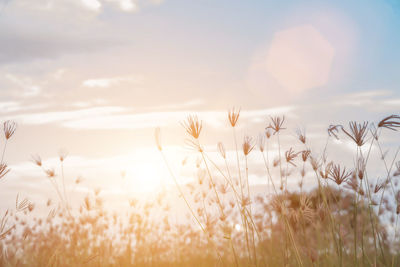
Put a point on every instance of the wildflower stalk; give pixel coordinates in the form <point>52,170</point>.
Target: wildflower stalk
<point>189,207</point>
<point>218,199</point>
<point>4,150</point>
<point>63,183</point>
<point>251,216</point>
<point>395,235</point>
<point>246,217</point>
<point>241,191</point>
<point>269,177</point>
<point>280,160</point>
<point>321,191</point>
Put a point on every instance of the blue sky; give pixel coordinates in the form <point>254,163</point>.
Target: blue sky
<point>97,76</point>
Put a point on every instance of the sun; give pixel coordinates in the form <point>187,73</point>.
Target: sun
<point>144,171</point>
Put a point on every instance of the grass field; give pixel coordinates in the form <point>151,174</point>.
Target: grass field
<point>343,217</point>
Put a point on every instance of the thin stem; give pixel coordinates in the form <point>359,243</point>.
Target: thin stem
<point>189,207</point>
<point>4,150</point>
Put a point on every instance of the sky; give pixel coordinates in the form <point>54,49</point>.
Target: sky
<point>95,77</point>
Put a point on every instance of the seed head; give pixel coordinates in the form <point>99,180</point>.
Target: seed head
<point>9,128</point>
<point>184,161</point>
<point>157,135</point>
<point>261,142</point>
<point>339,174</point>
<point>78,180</point>
<point>247,145</point>
<point>62,154</point>
<point>305,154</point>
<point>276,124</point>
<point>357,132</point>
<point>50,172</point>
<point>314,163</point>
<point>245,201</point>
<point>198,162</point>
<point>233,116</point>
<point>333,130</point>
<point>392,122</point>
<point>326,171</point>
<point>193,126</point>
<point>268,133</point>
<point>31,206</point>
<point>37,160</point>
<point>301,135</point>
<point>290,156</point>
<point>221,149</point>
<point>275,162</point>
<point>360,168</point>
<point>378,187</point>
<point>3,170</point>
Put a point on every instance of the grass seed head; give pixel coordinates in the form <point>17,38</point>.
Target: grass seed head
<point>333,130</point>
<point>3,170</point>
<point>305,154</point>
<point>50,172</point>
<point>276,124</point>
<point>62,154</point>
<point>37,160</point>
<point>339,174</point>
<point>248,145</point>
<point>193,126</point>
<point>9,128</point>
<point>157,135</point>
<point>233,116</point>
<point>391,122</point>
<point>221,150</point>
<point>290,155</point>
<point>301,135</point>
<point>357,132</point>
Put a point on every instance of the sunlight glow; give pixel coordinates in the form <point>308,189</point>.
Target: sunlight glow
<point>300,58</point>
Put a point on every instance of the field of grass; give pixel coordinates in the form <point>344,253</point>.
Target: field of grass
<point>345,216</point>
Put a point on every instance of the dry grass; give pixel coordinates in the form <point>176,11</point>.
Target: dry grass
<point>347,218</point>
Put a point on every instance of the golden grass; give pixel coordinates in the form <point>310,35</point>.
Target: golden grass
<point>346,218</point>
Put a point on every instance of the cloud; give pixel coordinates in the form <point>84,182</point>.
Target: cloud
<point>372,100</point>
<point>26,84</point>
<point>107,82</point>
<point>121,118</point>
<point>64,116</point>
<point>94,5</point>
<point>45,29</point>
<point>10,106</point>
<point>20,44</point>
<point>126,5</point>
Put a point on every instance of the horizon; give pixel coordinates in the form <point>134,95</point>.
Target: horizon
<point>97,84</point>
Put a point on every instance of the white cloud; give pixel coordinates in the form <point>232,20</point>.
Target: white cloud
<point>127,5</point>
<point>62,116</point>
<point>132,5</point>
<point>32,90</point>
<point>25,83</point>
<point>107,118</point>
<point>113,117</point>
<point>373,100</point>
<point>107,82</point>
<point>94,5</point>
<point>9,106</point>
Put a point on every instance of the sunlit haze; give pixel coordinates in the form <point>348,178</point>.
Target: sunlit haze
<point>93,79</point>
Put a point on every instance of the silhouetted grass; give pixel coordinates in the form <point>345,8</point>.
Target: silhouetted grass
<point>346,218</point>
